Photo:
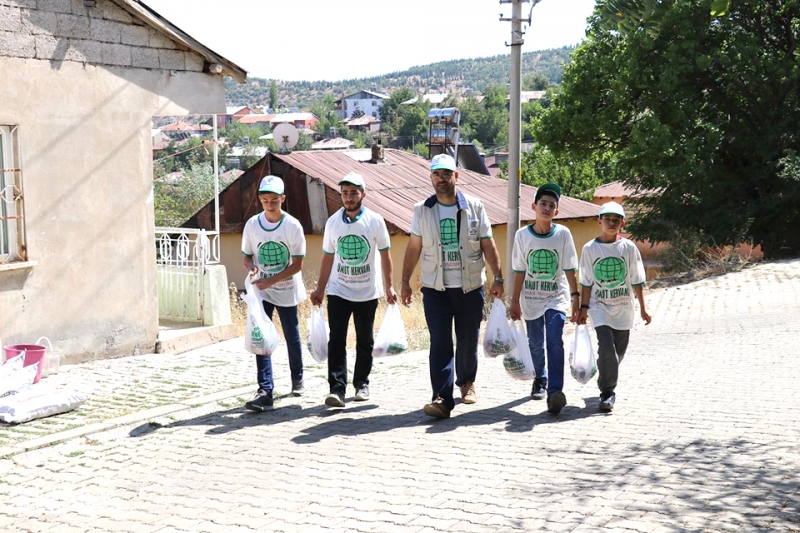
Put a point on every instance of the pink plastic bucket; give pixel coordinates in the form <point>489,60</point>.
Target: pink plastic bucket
<point>34,353</point>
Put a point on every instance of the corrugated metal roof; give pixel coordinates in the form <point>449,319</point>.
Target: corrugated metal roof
<point>393,187</point>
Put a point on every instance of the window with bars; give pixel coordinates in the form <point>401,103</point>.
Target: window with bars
<point>12,213</point>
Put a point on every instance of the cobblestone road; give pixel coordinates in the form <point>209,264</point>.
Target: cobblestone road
<point>705,437</point>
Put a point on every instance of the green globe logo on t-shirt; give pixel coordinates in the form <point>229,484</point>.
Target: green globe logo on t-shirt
<point>447,228</point>
<point>542,264</point>
<point>273,257</point>
<point>353,249</point>
<point>610,272</point>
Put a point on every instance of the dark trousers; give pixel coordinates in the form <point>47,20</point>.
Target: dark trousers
<point>339,311</point>
<point>442,309</point>
<point>291,333</point>
<point>611,346</point>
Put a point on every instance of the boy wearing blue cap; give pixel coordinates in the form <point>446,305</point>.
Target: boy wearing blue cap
<point>545,288</point>
<point>611,272</point>
<point>273,248</point>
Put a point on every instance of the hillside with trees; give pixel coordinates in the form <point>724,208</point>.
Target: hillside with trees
<point>455,77</point>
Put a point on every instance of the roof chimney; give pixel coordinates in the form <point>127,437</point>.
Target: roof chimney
<point>377,153</point>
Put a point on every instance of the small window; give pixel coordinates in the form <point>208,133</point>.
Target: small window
<point>12,221</point>
<point>374,103</point>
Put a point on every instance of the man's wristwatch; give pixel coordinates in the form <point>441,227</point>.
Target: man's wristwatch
<point>499,279</point>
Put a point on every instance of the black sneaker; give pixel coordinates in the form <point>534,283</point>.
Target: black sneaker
<point>556,402</point>
<point>539,390</point>
<point>362,393</point>
<point>261,402</point>
<point>334,399</point>
<point>298,387</point>
<point>607,401</point>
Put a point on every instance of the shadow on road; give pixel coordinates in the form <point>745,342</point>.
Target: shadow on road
<point>351,422</point>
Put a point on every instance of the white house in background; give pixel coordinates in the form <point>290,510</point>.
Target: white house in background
<point>367,102</point>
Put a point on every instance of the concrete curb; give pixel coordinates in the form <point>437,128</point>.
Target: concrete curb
<point>113,423</point>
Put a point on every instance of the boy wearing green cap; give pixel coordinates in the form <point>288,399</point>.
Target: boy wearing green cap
<point>611,273</point>
<point>545,288</point>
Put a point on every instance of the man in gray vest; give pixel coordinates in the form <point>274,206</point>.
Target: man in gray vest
<point>451,236</point>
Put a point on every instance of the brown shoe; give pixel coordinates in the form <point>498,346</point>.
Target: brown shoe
<point>437,409</point>
<point>468,394</point>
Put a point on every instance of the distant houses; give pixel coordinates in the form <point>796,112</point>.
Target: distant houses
<point>367,102</point>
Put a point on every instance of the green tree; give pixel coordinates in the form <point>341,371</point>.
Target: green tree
<point>178,199</point>
<point>706,112</point>
<point>577,177</point>
<point>273,95</point>
<point>325,111</point>
<point>389,110</point>
<point>535,81</point>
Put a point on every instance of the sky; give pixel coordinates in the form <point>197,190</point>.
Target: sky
<point>311,40</point>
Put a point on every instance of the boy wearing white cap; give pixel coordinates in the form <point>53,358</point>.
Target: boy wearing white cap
<point>273,248</point>
<point>357,269</point>
<point>611,272</point>
<point>451,237</point>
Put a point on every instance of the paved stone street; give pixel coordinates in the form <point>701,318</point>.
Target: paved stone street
<point>705,437</point>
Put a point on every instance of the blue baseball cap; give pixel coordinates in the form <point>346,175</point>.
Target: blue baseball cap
<point>271,184</point>
<point>444,161</point>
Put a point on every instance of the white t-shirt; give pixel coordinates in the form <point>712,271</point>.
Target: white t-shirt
<point>544,259</point>
<point>611,270</point>
<point>273,247</point>
<point>356,274</point>
<point>448,233</point>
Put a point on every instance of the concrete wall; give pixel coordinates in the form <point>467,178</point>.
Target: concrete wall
<point>231,255</point>
<point>82,85</point>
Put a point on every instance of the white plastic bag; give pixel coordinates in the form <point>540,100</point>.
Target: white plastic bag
<point>12,365</point>
<point>319,335</point>
<point>582,361</point>
<point>498,339</point>
<point>391,338</point>
<point>519,363</point>
<point>308,340</point>
<point>19,380</point>
<point>38,402</point>
<point>261,337</point>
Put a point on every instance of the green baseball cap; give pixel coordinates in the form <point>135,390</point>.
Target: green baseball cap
<point>551,189</point>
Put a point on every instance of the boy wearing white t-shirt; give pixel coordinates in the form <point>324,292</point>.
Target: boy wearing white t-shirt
<point>545,288</point>
<point>273,248</point>
<point>357,270</point>
<point>611,273</point>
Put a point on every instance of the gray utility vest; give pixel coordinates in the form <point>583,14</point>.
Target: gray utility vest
<point>470,211</point>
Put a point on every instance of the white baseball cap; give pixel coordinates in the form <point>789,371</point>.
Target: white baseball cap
<point>443,161</point>
<point>354,179</point>
<point>271,184</point>
<point>612,208</point>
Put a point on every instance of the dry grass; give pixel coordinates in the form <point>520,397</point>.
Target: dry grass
<point>699,263</point>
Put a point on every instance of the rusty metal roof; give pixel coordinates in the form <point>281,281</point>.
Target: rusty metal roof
<point>617,189</point>
<point>403,179</point>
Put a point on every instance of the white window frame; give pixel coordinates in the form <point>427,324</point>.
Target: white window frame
<point>13,248</point>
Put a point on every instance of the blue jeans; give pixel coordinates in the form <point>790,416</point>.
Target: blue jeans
<point>291,332</point>
<point>442,308</point>
<point>339,311</point>
<point>551,326</point>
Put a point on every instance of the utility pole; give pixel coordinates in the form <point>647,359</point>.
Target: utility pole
<point>514,124</point>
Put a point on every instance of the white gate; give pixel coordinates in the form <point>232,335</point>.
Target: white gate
<point>181,258</point>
